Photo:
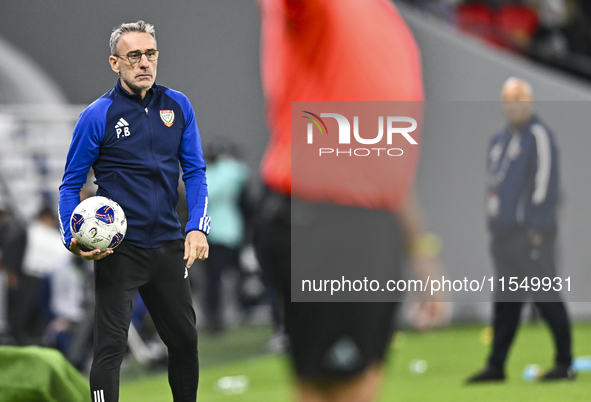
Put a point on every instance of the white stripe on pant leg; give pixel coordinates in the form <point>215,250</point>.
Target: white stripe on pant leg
<point>94,398</point>
<point>99,396</point>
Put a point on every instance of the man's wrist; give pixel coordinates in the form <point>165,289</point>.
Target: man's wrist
<point>196,230</point>
<point>194,226</point>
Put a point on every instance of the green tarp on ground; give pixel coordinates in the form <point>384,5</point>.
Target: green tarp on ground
<point>35,374</point>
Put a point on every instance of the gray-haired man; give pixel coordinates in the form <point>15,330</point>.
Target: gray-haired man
<point>134,137</point>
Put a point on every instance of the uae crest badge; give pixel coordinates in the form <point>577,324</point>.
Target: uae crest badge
<point>167,117</point>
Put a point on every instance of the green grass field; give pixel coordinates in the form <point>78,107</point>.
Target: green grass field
<point>451,355</point>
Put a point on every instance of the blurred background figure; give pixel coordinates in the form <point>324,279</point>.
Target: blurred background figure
<point>13,237</point>
<point>333,50</point>
<point>64,305</point>
<point>49,301</point>
<point>553,32</point>
<point>44,253</point>
<point>227,179</point>
<point>522,200</point>
<point>550,40</point>
<point>232,272</point>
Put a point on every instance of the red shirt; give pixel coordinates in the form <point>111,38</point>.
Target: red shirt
<point>334,50</point>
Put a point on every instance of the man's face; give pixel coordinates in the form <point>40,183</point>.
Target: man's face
<point>517,104</point>
<point>138,77</point>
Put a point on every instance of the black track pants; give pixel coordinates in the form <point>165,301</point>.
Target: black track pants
<point>161,278</point>
<point>513,255</point>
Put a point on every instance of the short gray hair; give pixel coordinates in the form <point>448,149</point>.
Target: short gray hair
<point>124,28</point>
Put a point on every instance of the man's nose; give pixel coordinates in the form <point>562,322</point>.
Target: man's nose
<point>144,61</point>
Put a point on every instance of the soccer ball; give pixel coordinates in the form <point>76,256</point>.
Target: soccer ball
<point>98,222</point>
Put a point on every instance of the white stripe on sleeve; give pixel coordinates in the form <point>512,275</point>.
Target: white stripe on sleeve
<point>204,220</point>
<point>62,231</point>
<point>544,163</point>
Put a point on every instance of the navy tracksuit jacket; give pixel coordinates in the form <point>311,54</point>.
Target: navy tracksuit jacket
<point>134,147</point>
<point>522,179</point>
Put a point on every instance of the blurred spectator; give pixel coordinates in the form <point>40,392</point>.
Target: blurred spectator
<point>44,252</point>
<point>13,236</point>
<point>476,18</point>
<point>227,177</point>
<point>63,306</point>
<point>12,245</point>
<point>506,24</point>
<point>515,25</point>
<point>550,39</point>
<point>553,32</point>
<point>578,29</point>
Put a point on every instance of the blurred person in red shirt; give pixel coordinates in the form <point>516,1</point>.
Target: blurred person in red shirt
<point>339,50</point>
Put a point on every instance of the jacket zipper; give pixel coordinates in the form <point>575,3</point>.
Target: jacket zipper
<point>156,203</point>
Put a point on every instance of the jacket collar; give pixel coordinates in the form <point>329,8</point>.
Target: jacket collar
<point>119,88</point>
<point>523,127</point>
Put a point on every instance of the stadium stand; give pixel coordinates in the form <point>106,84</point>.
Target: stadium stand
<point>555,33</point>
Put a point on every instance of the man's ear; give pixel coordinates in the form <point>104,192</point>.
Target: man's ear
<point>114,64</point>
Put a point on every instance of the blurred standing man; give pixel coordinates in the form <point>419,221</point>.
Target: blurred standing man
<point>338,50</point>
<point>523,186</point>
<point>134,137</point>
<point>13,241</point>
<point>43,254</point>
<point>227,178</point>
